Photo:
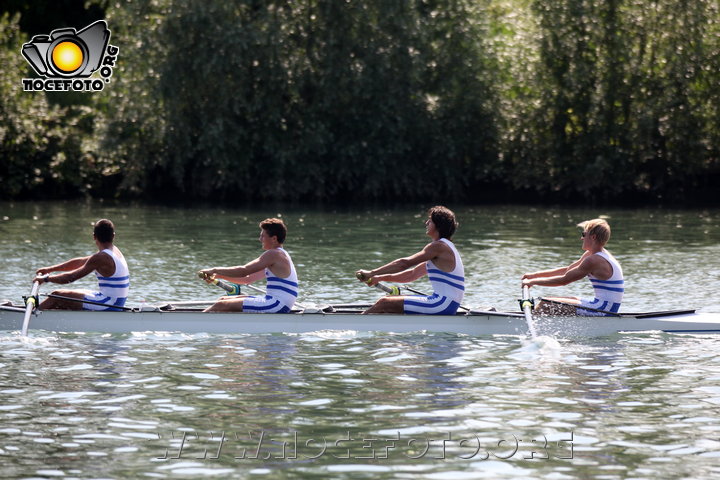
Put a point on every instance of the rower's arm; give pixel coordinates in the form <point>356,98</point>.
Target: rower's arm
<point>547,273</point>
<point>244,274</point>
<point>557,271</point>
<point>73,264</point>
<point>99,262</point>
<point>252,278</point>
<point>402,267</point>
<point>404,277</point>
<point>572,274</point>
<point>430,251</point>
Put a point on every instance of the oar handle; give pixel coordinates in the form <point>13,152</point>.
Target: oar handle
<point>391,290</point>
<point>229,287</point>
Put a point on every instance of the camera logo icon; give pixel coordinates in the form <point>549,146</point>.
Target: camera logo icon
<point>68,54</point>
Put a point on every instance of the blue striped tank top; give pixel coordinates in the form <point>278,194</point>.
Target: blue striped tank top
<point>448,284</point>
<point>284,289</point>
<point>118,285</point>
<point>608,293</point>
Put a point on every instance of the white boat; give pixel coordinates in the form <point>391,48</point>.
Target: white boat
<point>339,318</point>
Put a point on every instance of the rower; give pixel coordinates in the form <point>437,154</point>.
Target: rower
<point>274,264</point>
<point>110,269</point>
<point>597,264</point>
<point>439,260</point>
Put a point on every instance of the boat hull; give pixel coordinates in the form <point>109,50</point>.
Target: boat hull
<point>491,323</point>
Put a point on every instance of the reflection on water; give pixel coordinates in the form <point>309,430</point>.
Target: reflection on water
<point>340,404</point>
<point>349,405</point>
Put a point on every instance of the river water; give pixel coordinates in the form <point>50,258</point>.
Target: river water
<point>350,405</point>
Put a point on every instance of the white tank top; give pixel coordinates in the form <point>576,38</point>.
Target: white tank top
<point>612,289</point>
<point>448,284</point>
<point>118,285</point>
<point>284,289</point>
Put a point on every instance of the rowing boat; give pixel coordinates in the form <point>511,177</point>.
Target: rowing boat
<point>168,318</point>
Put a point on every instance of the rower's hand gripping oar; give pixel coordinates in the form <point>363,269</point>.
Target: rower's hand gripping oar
<point>31,303</point>
<point>526,304</point>
<point>391,290</point>
<point>229,287</point>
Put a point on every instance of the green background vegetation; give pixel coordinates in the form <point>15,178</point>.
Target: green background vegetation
<point>340,100</point>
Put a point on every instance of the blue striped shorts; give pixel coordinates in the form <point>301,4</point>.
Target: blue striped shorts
<point>430,305</point>
<point>598,304</point>
<point>264,304</point>
<point>108,302</point>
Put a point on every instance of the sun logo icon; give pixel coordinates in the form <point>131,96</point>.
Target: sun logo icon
<point>67,56</point>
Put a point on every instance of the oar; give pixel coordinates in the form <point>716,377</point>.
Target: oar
<point>231,288</point>
<point>526,305</point>
<point>392,290</point>
<point>405,287</point>
<point>30,304</point>
<point>10,308</point>
<point>257,289</point>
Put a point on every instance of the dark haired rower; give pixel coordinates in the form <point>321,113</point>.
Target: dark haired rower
<point>275,265</point>
<point>109,266</point>
<point>439,260</point>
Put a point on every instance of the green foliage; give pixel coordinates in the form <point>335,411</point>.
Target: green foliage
<point>43,148</point>
<point>133,121</point>
<point>626,100</point>
<point>301,100</point>
<point>432,100</point>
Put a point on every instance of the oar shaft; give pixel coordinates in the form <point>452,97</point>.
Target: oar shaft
<point>257,289</point>
<point>380,286</point>
<point>30,305</point>
<point>417,292</point>
<point>389,290</point>
<point>229,287</point>
<point>526,305</point>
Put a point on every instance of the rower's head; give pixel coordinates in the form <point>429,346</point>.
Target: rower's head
<point>441,220</point>
<point>104,231</point>
<point>596,230</point>
<point>272,233</point>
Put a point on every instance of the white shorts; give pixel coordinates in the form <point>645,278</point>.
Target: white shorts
<point>264,304</point>
<point>430,305</point>
<point>107,302</point>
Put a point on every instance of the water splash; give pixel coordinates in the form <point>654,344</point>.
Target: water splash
<point>542,346</point>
